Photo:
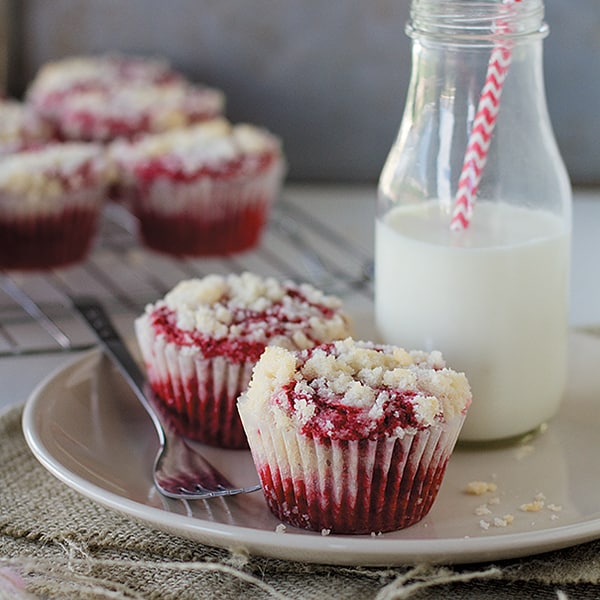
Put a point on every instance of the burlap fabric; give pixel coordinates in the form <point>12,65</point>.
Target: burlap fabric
<point>55,543</point>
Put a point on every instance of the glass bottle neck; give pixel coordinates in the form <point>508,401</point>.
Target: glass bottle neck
<point>477,22</point>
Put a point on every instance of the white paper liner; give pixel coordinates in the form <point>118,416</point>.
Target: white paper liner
<point>211,199</point>
<point>201,392</point>
<point>208,216</point>
<point>46,233</point>
<point>367,486</point>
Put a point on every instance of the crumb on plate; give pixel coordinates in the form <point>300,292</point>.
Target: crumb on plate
<point>478,488</point>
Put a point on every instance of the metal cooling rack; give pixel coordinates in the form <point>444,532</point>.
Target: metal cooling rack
<point>35,309</point>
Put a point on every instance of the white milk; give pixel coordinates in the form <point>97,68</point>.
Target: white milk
<point>492,298</point>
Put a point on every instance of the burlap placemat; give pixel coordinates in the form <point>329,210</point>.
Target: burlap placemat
<point>55,543</point>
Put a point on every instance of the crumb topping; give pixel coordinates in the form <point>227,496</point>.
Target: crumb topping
<point>350,389</point>
<point>238,315</point>
<point>79,73</point>
<point>54,170</point>
<point>127,109</point>
<point>210,148</point>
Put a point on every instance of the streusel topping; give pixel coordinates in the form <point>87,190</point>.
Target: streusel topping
<point>238,315</point>
<point>201,149</point>
<point>356,390</point>
<point>97,72</point>
<point>54,170</point>
<point>130,108</point>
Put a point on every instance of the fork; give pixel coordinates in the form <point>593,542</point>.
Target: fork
<point>179,470</point>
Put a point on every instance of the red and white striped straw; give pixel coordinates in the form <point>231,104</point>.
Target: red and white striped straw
<point>481,133</point>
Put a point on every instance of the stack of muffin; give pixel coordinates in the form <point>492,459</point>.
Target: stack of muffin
<point>131,129</point>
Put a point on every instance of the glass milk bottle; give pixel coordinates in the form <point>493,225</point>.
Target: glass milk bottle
<point>474,213</point>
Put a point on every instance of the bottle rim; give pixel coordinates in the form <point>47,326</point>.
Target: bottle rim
<point>482,22</point>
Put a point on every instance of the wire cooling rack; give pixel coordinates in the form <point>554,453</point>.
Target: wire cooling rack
<point>35,309</point>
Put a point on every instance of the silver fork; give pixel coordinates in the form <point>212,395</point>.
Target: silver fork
<point>179,470</point>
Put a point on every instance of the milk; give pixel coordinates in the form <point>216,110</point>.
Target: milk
<point>492,298</point>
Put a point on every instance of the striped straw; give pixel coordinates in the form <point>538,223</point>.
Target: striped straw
<point>481,133</point>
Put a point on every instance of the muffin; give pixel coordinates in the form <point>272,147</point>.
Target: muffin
<point>204,190</point>
<point>21,128</point>
<point>200,342</point>
<point>57,80</point>
<point>107,97</point>
<point>50,202</point>
<point>352,437</point>
<point>132,110</point>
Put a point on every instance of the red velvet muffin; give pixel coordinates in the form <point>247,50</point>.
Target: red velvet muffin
<point>352,437</point>
<point>50,202</point>
<point>203,190</point>
<point>103,98</point>
<point>201,341</point>
<point>58,80</point>
<point>132,110</point>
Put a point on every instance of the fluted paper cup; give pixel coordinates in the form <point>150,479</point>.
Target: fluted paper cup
<point>359,486</point>
<point>199,393</point>
<point>207,216</point>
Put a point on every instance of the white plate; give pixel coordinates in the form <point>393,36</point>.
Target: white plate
<point>85,427</point>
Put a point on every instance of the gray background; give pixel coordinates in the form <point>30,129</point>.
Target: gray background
<point>328,76</point>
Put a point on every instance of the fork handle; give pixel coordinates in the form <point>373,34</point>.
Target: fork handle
<point>96,317</point>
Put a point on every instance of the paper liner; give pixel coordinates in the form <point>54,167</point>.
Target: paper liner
<point>207,216</point>
<point>38,237</point>
<point>199,393</point>
<point>358,486</point>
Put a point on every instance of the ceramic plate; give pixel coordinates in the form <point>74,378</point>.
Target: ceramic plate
<point>86,427</point>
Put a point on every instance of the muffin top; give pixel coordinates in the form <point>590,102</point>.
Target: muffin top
<point>58,78</point>
<point>214,148</point>
<point>129,109</point>
<point>49,172</point>
<point>238,315</point>
<point>352,390</point>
